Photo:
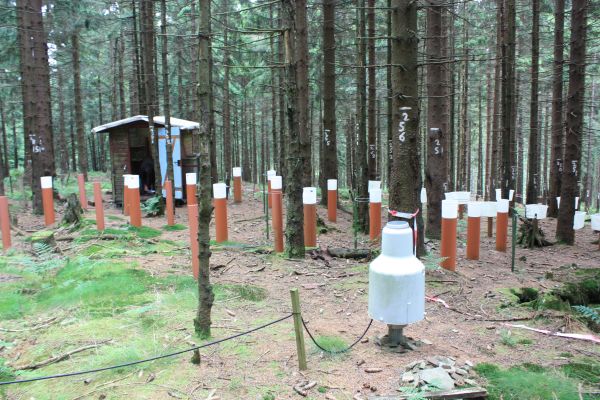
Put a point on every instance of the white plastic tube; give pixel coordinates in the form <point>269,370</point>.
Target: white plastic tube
<point>579,220</point>
<point>489,209</point>
<point>449,209</point>
<point>511,193</point>
<point>276,182</point>
<point>374,185</point>
<point>474,210</point>
<point>309,195</point>
<point>423,196</point>
<point>237,171</point>
<point>46,182</point>
<point>219,190</point>
<point>596,222</point>
<point>375,196</point>
<point>191,178</point>
<point>331,184</point>
<point>271,173</point>
<point>134,182</point>
<point>502,206</point>
<point>498,194</point>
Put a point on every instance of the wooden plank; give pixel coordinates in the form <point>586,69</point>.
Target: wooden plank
<point>465,393</point>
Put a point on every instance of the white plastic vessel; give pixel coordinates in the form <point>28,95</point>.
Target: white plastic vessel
<point>579,220</point>
<point>374,185</point>
<point>489,209</point>
<point>423,195</point>
<point>537,211</point>
<point>219,190</point>
<point>397,278</point>
<point>331,184</point>
<point>46,182</point>
<point>236,171</point>
<point>596,222</point>
<point>309,195</point>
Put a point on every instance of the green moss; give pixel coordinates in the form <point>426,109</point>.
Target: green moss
<point>331,344</point>
<point>588,371</point>
<point>145,232</point>
<point>529,381</point>
<point>175,227</point>
<point>550,301</point>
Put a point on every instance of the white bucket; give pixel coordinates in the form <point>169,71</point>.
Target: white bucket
<point>191,178</point>
<point>309,195</point>
<point>449,209</point>
<point>423,196</point>
<point>331,184</point>
<point>511,193</point>
<point>134,182</point>
<point>596,222</point>
<point>489,209</point>
<point>219,190</point>
<point>237,171</point>
<point>46,182</point>
<point>126,180</point>
<point>276,183</point>
<point>374,185</point>
<point>498,194</point>
<point>474,209</point>
<point>375,196</point>
<point>462,197</point>
<point>579,220</point>
<point>537,211</point>
<point>502,206</point>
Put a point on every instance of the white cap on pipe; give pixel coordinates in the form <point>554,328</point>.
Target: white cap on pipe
<point>576,202</point>
<point>237,171</point>
<point>423,196</point>
<point>374,185</point>
<point>502,205</point>
<point>450,195</point>
<point>474,209</point>
<point>276,182</point>
<point>219,190</point>
<point>375,196</point>
<point>498,194</point>
<point>511,193</point>
<point>449,209</point>
<point>309,195</point>
<point>46,182</point>
<point>558,202</point>
<point>191,178</point>
<point>331,184</point>
<point>126,179</point>
<point>134,182</point>
<point>488,209</point>
<point>271,173</point>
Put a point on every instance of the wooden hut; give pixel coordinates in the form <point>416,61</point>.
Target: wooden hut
<point>129,142</point>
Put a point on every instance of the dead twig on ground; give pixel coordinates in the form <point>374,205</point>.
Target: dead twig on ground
<point>62,357</point>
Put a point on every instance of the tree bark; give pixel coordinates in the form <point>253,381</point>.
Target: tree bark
<point>360,159</point>
<point>227,165</point>
<point>533,156</point>
<point>405,183</point>
<point>166,94</point>
<point>372,94</point>
<point>509,172</point>
<point>82,156</point>
<point>62,139</point>
<point>574,122</point>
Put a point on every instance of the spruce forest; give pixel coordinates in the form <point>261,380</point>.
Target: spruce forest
<point>325,199</point>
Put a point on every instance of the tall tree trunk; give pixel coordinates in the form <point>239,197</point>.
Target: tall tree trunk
<point>533,156</point>
<point>329,159</point>
<point>227,165</point>
<point>589,162</point>
<point>390,101</point>
<point>136,102</point>
<point>37,110</point>
<point>298,151</point>
<point>508,99</point>
<point>62,139</point>
<point>202,322</point>
<point>121,80</point>
<point>372,95</point>
<point>405,183</point>
<point>436,173</point>
<point>4,171</point>
<point>275,86</point>
<point>556,155</point>
<point>283,123</point>
<point>488,131</point>
<point>480,180</point>
<point>574,122</point>
<point>166,93</point>
<point>360,160</point>
<point>15,142</point>
<point>465,142</point>
<point>496,121</point>
<point>82,156</point>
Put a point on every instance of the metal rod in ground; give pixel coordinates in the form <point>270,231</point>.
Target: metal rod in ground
<point>514,240</point>
<point>298,329</point>
<point>266,209</point>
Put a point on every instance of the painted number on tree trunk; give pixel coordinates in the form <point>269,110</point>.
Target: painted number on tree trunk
<point>403,121</point>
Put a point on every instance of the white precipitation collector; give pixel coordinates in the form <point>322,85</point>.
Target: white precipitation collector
<point>397,278</point>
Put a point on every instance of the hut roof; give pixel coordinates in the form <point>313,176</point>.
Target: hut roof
<point>158,120</point>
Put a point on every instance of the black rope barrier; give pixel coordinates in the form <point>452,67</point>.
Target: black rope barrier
<point>336,351</point>
<point>128,364</point>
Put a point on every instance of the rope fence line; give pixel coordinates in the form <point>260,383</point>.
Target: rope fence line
<point>336,351</point>
<point>128,364</point>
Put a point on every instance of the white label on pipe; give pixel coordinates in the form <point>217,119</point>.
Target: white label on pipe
<point>474,209</point>
<point>449,209</point>
<point>276,182</point>
<point>134,182</point>
<point>237,171</point>
<point>46,182</point>
<point>502,205</point>
<point>191,178</point>
<point>331,184</point>
<point>219,190</point>
<point>309,195</point>
<point>375,196</point>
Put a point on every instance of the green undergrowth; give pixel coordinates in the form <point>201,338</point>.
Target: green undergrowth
<point>332,344</point>
<point>175,227</point>
<point>530,382</point>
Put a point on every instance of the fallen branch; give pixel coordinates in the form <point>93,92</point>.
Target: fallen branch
<point>41,325</point>
<point>62,357</point>
<point>340,252</point>
<point>578,336</point>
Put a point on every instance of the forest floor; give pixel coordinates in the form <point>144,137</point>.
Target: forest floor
<point>133,297</point>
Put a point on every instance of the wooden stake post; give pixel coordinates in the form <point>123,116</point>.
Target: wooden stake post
<point>298,329</point>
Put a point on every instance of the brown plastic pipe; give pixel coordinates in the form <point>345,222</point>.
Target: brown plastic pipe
<point>374,221</point>
<point>82,196</point>
<point>5,222</point>
<point>237,189</point>
<point>501,231</point>
<point>135,212</point>
<point>221,220</point>
<point>277,221</point>
<point>99,206</point>
<point>126,196</point>
<point>48,204</point>
<point>170,207</point>
<point>473,237</point>
<point>310,225</point>
<point>269,200</point>
<point>193,224</point>
<point>332,205</point>
<point>448,246</point>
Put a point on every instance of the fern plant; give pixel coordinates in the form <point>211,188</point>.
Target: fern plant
<point>588,313</point>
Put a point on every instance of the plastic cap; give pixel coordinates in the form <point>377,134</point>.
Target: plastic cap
<point>375,196</point>
<point>276,182</point>
<point>271,173</point>
<point>502,205</point>
<point>46,182</point>
<point>309,195</point>
<point>219,190</point>
<point>449,209</point>
<point>237,171</point>
<point>134,182</point>
<point>423,196</point>
<point>397,239</point>
<point>331,184</point>
<point>374,185</point>
<point>474,210</point>
<point>191,178</point>
<point>511,193</point>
